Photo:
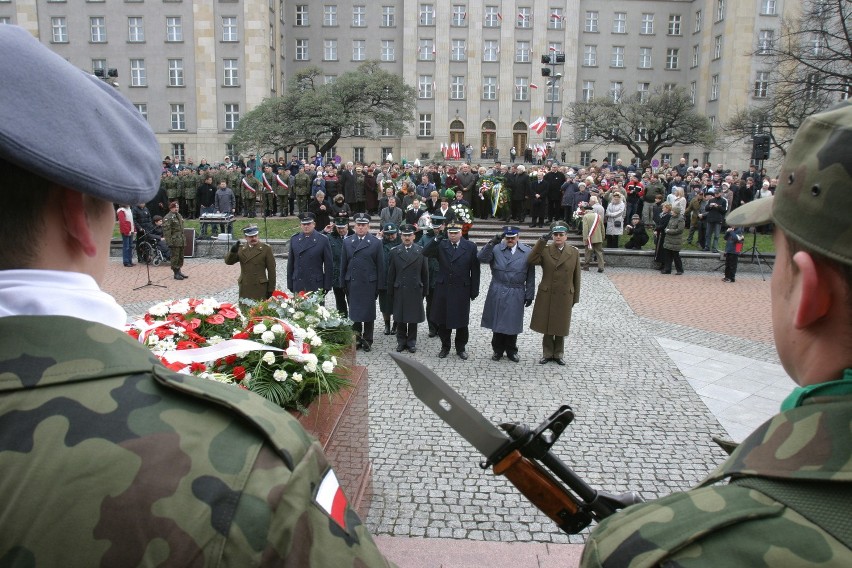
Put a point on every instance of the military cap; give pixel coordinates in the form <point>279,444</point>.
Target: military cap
<point>307,217</point>
<point>814,194</point>
<point>251,231</point>
<point>389,228</point>
<point>63,125</point>
<point>407,229</point>
<point>438,220</point>
<point>341,221</point>
<point>454,227</point>
<point>511,231</point>
<point>361,218</point>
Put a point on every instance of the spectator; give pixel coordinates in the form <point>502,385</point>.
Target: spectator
<point>673,242</point>
<point>127,230</point>
<point>715,215</point>
<point>733,248</point>
<point>614,216</point>
<point>391,213</point>
<point>593,236</point>
<point>321,210</point>
<point>638,233</point>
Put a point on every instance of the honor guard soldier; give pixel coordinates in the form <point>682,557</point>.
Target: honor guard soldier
<point>335,238</point>
<point>175,238</point>
<point>456,287</point>
<point>390,238</point>
<point>108,457</point>
<point>511,290</point>
<point>427,237</point>
<point>309,262</point>
<point>250,188</point>
<point>257,266</point>
<point>362,275</point>
<point>268,192</point>
<point>408,281</point>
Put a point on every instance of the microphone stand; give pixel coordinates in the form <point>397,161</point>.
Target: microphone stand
<point>149,283</point>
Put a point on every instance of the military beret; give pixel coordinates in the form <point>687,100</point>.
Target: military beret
<point>438,220</point>
<point>251,231</point>
<point>65,125</point>
<point>307,217</point>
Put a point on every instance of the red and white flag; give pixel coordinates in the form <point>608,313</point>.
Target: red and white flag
<point>280,182</point>
<point>533,86</point>
<point>499,16</point>
<point>539,125</point>
<point>248,186</point>
<point>331,499</point>
<point>559,125</point>
<point>555,16</point>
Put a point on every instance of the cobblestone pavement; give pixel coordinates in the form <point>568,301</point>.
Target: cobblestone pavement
<point>640,425</point>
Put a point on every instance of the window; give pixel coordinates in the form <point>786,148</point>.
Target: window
<point>693,88</point>
<point>459,15</point>
<point>98,64</point>
<point>714,87</point>
<point>811,86</point>
<point>229,28</point>
<point>674,24</point>
<point>641,134</point>
<point>329,15</point>
<point>329,50</point>
<point>695,55</point>
<point>143,109</point>
<point>591,24</point>
<point>765,41</point>
<point>768,7</point>
<point>176,73</point>
<point>585,158</point>
<point>424,87</point>
<point>720,10</point>
<point>554,47</point>
<point>644,89</point>
<point>427,15</point>
<point>359,16</point>
<point>174,28</point>
<point>617,59</point>
<point>644,58</point>
<point>232,116</point>
<point>761,85</point>
<point>522,52</point>
<point>5,20</point>
<point>302,18</point>
<point>669,87</point>
<point>97,25</point>
<point>588,91</point>
<point>388,50</point>
<point>138,78</point>
<point>697,27</point>
<point>458,51</point>
<point>717,47</point>
<point>358,154</point>
<point>551,94</point>
<point>489,88</point>
<point>844,94</point>
<point>178,152</point>
<point>385,130</point>
<point>556,20</point>
<point>612,157</point>
<point>388,16</point>
<point>457,87</point>
<point>424,124</point>
<point>672,54</point>
<point>426,50</point>
<point>619,23</point>
<point>590,55</point>
<point>492,17</point>
<point>817,44</point>
<point>359,50</point>
<point>616,88</point>
<point>490,50</point>
<point>135,29</point>
<point>302,51</point>
<point>59,28</point>
<point>178,117</point>
<point>524,19</point>
<point>328,79</point>
<point>550,132</point>
<point>646,27</point>
<point>522,89</point>
<point>231,76</point>
<point>358,129</point>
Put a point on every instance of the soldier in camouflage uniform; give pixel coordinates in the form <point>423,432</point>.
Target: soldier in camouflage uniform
<point>250,190</point>
<point>268,192</point>
<point>109,458</point>
<point>190,182</point>
<point>302,189</point>
<point>234,178</point>
<point>172,184</point>
<point>788,495</point>
<point>175,238</point>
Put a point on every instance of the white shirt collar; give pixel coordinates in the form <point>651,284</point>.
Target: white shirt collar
<point>58,293</point>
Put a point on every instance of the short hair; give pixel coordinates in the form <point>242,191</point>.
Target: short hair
<point>320,193</point>
<point>22,215</point>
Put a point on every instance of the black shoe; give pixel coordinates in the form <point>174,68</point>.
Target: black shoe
<point>513,357</point>
<point>412,350</point>
<point>679,273</point>
<point>442,354</point>
<point>543,360</point>
<point>600,269</point>
<point>365,345</point>
<point>559,361</point>
<point>394,327</point>
<point>463,355</point>
<point>178,276</point>
<point>182,274</point>
<point>496,357</point>
<point>433,334</point>
<point>387,328</point>
<point>400,348</point>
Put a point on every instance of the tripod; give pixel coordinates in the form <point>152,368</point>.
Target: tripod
<point>756,254</point>
<point>149,283</point>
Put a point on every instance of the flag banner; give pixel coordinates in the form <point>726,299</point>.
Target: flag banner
<point>248,186</point>
<point>280,182</point>
<point>331,499</point>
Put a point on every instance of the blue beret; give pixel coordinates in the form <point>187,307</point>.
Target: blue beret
<point>71,128</point>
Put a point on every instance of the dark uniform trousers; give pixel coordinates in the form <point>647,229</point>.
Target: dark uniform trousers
<point>462,336</point>
<point>340,300</point>
<point>364,331</point>
<point>504,343</point>
<point>406,335</point>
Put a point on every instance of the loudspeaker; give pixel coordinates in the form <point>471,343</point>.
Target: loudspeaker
<point>760,147</point>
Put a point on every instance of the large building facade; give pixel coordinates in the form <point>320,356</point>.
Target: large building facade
<point>194,67</point>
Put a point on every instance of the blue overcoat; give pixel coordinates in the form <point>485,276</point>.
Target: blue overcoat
<point>309,263</point>
<point>512,282</point>
<point>362,275</point>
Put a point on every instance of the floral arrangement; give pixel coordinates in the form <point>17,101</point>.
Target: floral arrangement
<point>464,215</point>
<point>493,189</point>
<point>285,348</point>
<point>578,214</point>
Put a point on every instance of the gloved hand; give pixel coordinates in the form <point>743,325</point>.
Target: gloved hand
<point>528,303</point>
<point>235,247</point>
<point>497,238</point>
<point>546,237</point>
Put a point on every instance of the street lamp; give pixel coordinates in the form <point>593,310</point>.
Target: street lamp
<point>552,60</point>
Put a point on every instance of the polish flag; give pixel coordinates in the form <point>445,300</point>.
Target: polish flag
<point>559,125</point>
<point>433,49</point>
<point>280,182</point>
<point>522,16</point>
<point>533,86</point>
<point>552,48</point>
<point>499,16</point>
<point>539,125</point>
<point>555,16</point>
<point>331,499</point>
<point>248,186</point>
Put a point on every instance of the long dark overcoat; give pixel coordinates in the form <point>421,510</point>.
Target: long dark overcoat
<point>558,290</point>
<point>362,274</point>
<point>457,283</point>
<point>512,282</point>
<point>408,282</point>
<point>257,270</point>
<point>309,263</point>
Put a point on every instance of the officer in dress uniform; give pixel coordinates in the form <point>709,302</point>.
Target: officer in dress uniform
<point>456,286</point>
<point>257,266</point>
<point>309,261</point>
<point>136,465</point>
<point>408,281</point>
<point>362,275</point>
<point>335,238</point>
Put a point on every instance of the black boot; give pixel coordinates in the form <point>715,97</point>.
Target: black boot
<point>178,275</point>
<point>387,327</point>
<point>181,273</point>
<point>393,328</point>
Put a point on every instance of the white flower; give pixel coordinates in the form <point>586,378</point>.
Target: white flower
<point>280,375</point>
<point>293,352</point>
<point>327,367</point>
<point>334,360</point>
<point>316,341</point>
<point>298,315</point>
<point>179,307</point>
<point>310,333</point>
<point>269,357</point>
<point>159,310</point>
<point>267,337</point>
<point>211,303</point>
<point>292,310</point>
<point>216,339</point>
<point>311,366</point>
<point>153,339</point>
<point>247,377</point>
<point>204,310</point>
<point>297,377</point>
<point>276,328</point>
<point>311,358</point>
<point>323,312</point>
<point>311,319</point>
<point>242,354</point>
<point>258,329</point>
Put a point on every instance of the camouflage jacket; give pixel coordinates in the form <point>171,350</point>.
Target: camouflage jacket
<point>110,459</point>
<point>173,229</point>
<point>787,503</point>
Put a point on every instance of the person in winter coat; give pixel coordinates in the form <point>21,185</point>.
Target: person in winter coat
<point>362,274</point>
<point>673,242</point>
<point>408,281</point>
<point>638,233</point>
<point>733,247</point>
<point>127,229</point>
<point>593,237</point>
<point>614,216</point>
<point>257,266</point>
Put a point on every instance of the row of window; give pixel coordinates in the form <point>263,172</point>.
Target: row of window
<point>177,115</point>
<point>458,86</point>
<point>176,76</point>
<point>492,17</point>
<point>136,29</point>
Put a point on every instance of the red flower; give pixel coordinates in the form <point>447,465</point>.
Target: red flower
<point>163,332</point>
<point>239,373</point>
<point>193,302</point>
<point>192,324</point>
<point>216,319</point>
<point>173,366</point>
<point>228,313</point>
<point>187,345</point>
<point>175,317</point>
<point>241,335</point>
<point>134,333</point>
<point>197,367</point>
<point>306,347</point>
<point>280,294</point>
<point>302,294</point>
<point>230,359</point>
<point>148,318</point>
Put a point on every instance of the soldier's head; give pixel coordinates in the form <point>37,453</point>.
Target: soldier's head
<point>341,225</point>
<point>362,224</point>
<point>559,231</point>
<point>307,222</point>
<point>406,232</point>
<point>454,232</point>
<point>252,234</point>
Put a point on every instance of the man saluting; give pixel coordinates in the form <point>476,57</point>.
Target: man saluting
<point>257,266</point>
